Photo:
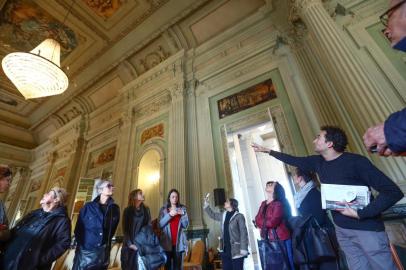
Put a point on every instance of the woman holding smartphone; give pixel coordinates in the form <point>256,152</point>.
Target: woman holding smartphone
<point>234,234</point>
<point>173,221</point>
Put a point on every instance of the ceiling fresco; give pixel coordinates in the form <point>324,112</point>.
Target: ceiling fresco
<point>98,39</point>
<point>24,25</point>
<point>103,8</point>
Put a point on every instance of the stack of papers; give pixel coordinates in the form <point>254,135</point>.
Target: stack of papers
<point>337,196</point>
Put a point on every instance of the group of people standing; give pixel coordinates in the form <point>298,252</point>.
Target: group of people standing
<point>43,235</point>
<point>142,249</point>
<point>272,221</point>
<point>359,234</point>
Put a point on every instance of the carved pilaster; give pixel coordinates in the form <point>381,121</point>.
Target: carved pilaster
<point>177,141</point>
<point>194,180</point>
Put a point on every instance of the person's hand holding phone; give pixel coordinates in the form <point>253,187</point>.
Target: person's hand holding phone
<point>180,211</point>
<point>206,200</point>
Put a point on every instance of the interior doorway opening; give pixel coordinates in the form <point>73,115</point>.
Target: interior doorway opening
<point>250,171</point>
<point>149,180</point>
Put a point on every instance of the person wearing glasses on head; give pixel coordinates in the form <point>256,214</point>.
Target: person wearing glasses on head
<point>5,179</point>
<point>40,237</point>
<point>389,138</point>
<point>96,225</point>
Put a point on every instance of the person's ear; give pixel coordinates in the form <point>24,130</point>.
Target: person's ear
<point>330,144</point>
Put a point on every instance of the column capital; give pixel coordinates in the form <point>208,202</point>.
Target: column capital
<point>299,7</point>
<point>295,36</point>
<point>178,90</point>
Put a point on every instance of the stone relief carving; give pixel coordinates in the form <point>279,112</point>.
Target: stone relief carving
<point>295,35</point>
<point>71,114</point>
<point>179,90</point>
<point>153,107</point>
<point>152,59</point>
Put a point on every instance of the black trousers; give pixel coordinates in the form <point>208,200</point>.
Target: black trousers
<point>174,260</point>
<point>231,264</point>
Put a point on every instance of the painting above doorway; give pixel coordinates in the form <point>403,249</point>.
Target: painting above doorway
<point>247,98</point>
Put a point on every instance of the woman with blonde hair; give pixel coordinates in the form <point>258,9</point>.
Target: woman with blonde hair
<point>135,216</point>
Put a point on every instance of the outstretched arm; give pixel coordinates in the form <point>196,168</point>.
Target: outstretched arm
<point>306,163</point>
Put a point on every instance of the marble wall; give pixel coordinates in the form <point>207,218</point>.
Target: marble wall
<point>328,67</point>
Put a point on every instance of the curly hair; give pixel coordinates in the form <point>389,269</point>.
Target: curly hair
<point>337,136</point>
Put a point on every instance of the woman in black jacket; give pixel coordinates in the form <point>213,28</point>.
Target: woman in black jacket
<point>41,236</point>
<point>95,228</point>
<point>135,216</point>
<point>308,203</point>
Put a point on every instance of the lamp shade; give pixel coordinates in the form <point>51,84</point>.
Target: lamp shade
<point>37,73</point>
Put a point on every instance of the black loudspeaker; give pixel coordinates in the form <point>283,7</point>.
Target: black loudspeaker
<point>219,196</point>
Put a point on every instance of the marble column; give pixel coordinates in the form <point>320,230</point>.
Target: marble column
<point>194,191</point>
<point>360,95</point>
<point>123,174</point>
<point>177,140</point>
<point>321,91</point>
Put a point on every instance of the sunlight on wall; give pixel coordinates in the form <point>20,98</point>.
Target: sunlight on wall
<point>148,180</point>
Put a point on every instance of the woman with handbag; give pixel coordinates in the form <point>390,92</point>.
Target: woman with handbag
<point>135,216</point>
<point>173,220</point>
<point>96,225</point>
<point>275,246</point>
<point>234,234</point>
<point>308,203</point>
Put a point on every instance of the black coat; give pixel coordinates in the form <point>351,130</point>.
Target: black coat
<point>152,255</point>
<point>94,228</point>
<point>311,205</point>
<point>51,238</point>
<point>133,221</point>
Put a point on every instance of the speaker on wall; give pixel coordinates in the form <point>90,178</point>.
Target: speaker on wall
<point>219,196</point>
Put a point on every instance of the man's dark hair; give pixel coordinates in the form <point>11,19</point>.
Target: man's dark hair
<point>337,136</point>
<point>233,204</point>
<point>307,175</point>
<point>4,171</point>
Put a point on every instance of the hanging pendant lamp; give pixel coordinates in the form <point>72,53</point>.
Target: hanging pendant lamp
<point>37,73</point>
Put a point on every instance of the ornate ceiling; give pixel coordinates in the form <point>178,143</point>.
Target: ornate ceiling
<point>97,37</point>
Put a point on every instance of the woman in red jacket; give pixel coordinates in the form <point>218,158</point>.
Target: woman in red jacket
<point>273,215</point>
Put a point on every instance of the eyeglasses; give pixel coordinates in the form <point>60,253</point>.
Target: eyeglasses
<point>384,18</point>
<point>109,186</point>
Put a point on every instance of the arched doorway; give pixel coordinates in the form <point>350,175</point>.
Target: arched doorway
<point>149,180</point>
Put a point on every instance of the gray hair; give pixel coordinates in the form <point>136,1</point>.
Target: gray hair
<point>99,184</point>
<point>61,195</point>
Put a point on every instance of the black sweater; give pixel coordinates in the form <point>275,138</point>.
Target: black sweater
<point>351,169</point>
